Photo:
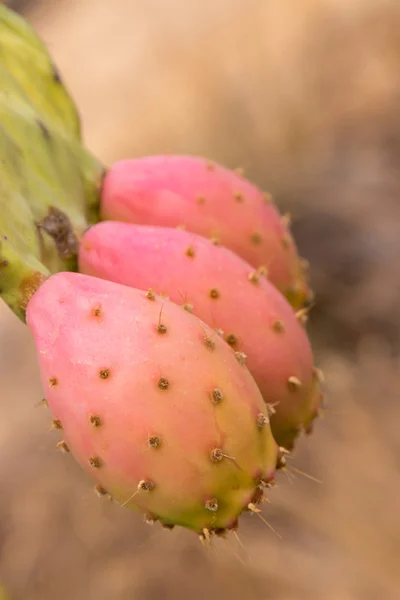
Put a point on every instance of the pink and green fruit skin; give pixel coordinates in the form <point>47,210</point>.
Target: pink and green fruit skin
<point>226,293</point>
<point>153,404</point>
<point>212,201</point>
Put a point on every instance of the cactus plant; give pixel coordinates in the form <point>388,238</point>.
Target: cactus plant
<point>156,404</point>
<point>49,190</point>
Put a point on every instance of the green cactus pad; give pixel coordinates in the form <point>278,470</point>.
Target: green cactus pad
<point>49,184</point>
<point>24,56</point>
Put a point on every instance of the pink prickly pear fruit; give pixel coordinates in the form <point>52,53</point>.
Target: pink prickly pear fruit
<point>153,404</point>
<point>212,201</point>
<point>226,293</point>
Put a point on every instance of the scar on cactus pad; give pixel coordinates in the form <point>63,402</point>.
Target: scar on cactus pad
<point>204,406</point>
<point>217,203</point>
<point>221,289</point>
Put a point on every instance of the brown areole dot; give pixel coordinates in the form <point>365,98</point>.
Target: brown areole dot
<point>150,519</point>
<point>302,316</point>
<point>231,339</point>
<point>150,295</point>
<point>281,459</point>
<point>210,166</point>
<point>200,200</point>
<point>96,312</point>
<point>294,383</point>
<point>278,326</point>
<point>238,197</point>
<point>188,307</point>
<point>56,424</point>
<point>253,508</point>
<point>163,383</point>
<point>216,455</point>
<point>100,491</point>
<point>63,447</point>
<point>222,532</point>
<point>95,462</point>
<point>211,505</point>
<point>190,252</point>
<point>104,373</point>
<point>154,441</point>
<point>241,357</point>
<point>256,238</point>
<point>219,332</point>
<point>261,420</point>
<point>55,74</point>
<point>268,484</point>
<point>214,293</point>
<point>210,344</point>
<point>205,536</point>
<point>53,381</point>
<point>95,420</point>
<point>161,328</point>
<point>146,485</point>
<point>253,277</point>
<point>216,396</point>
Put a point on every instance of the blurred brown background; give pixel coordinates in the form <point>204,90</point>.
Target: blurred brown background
<point>304,94</point>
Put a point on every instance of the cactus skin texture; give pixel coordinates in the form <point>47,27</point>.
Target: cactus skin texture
<point>152,403</point>
<point>212,201</point>
<point>23,55</point>
<point>226,293</point>
<point>49,185</point>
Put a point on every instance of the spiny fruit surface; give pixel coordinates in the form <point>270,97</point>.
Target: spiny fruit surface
<point>49,185</point>
<point>226,293</point>
<point>212,201</point>
<point>152,403</point>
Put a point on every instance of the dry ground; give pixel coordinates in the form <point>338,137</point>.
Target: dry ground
<point>305,96</point>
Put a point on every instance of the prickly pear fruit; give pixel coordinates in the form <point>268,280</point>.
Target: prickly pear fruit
<point>153,404</point>
<point>212,201</point>
<point>49,185</point>
<point>226,293</point>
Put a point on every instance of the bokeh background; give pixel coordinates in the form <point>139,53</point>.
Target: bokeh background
<point>305,95</point>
